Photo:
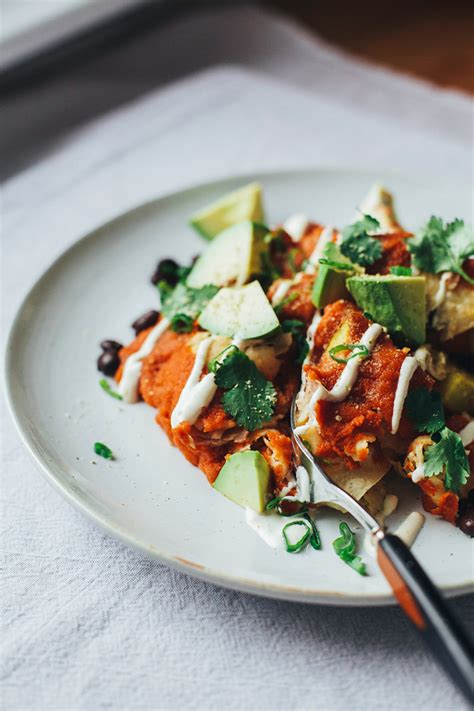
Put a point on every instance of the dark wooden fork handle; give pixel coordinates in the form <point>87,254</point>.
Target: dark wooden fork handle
<point>428,611</point>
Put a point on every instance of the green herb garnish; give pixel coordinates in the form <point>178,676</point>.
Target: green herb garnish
<point>269,270</point>
<point>447,455</point>
<point>104,384</point>
<point>338,266</point>
<point>425,410</point>
<point>440,247</point>
<point>315,539</point>
<point>181,323</point>
<point>359,350</point>
<point>357,245</point>
<point>249,399</point>
<point>299,544</point>
<point>185,301</point>
<point>103,451</point>
<point>401,271</point>
<point>345,548</point>
<point>284,302</point>
<point>298,330</point>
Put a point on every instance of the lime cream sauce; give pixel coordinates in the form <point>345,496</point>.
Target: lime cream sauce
<point>128,386</point>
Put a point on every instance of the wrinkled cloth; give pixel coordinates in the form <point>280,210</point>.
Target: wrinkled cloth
<point>88,623</point>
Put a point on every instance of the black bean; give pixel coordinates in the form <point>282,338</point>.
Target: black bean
<point>166,270</point>
<point>108,362</point>
<point>466,521</point>
<point>146,321</point>
<point>112,346</point>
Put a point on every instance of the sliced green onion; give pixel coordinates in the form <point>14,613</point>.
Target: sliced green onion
<point>302,541</point>
<point>401,271</point>
<point>337,265</point>
<point>104,384</point>
<point>273,503</point>
<point>359,349</point>
<point>279,500</point>
<point>216,362</point>
<point>182,323</point>
<point>345,548</point>
<point>315,538</point>
<point>103,451</point>
<point>284,302</point>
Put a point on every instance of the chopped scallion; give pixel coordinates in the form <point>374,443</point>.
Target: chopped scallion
<point>104,384</point>
<point>103,451</point>
<point>292,545</point>
<point>359,350</point>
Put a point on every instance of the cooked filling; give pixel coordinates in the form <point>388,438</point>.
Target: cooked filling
<point>370,327</point>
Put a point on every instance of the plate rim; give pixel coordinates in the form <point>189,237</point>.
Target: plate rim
<point>50,470</point>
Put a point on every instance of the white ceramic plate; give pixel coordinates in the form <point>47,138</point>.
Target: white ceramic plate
<point>150,497</point>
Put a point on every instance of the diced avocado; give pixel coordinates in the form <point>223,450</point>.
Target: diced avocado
<point>231,258</point>
<point>457,391</point>
<point>245,478</point>
<point>239,205</point>
<point>340,336</point>
<point>396,302</point>
<point>244,312</point>
<point>330,282</point>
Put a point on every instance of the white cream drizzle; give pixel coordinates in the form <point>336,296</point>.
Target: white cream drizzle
<point>281,291</point>
<point>407,370</point>
<point>128,386</point>
<point>418,474</point>
<point>324,238</point>
<point>346,380</point>
<point>196,394</point>
<point>296,225</point>
<point>467,434</point>
<point>440,295</point>
<point>410,528</point>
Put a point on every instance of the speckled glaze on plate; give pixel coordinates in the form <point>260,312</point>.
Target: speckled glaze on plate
<point>149,496</point>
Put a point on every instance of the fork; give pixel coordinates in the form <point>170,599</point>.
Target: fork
<point>416,594</point>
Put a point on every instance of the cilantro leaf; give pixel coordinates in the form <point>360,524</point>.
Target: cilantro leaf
<point>447,455</point>
<point>249,399</point>
<point>357,245</point>
<point>298,330</point>
<point>440,247</point>
<point>185,301</point>
<point>345,548</point>
<point>425,410</point>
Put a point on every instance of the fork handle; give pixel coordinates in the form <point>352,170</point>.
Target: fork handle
<point>425,607</point>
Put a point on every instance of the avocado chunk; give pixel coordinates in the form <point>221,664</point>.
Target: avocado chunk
<point>239,205</point>
<point>330,282</point>
<point>245,478</point>
<point>231,258</point>
<point>396,302</point>
<point>243,312</point>
<point>457,391</point>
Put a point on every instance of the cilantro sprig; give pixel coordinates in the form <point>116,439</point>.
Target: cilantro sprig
<point>447,455</point>
<point>345,548</point>
<point>425,410</point>
<point>357,245</point>
<point>442,247</point>
<point>185,302</point>
<point>249,399</point>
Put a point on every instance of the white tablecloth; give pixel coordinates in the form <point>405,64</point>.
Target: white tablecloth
<point>87,624</point>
